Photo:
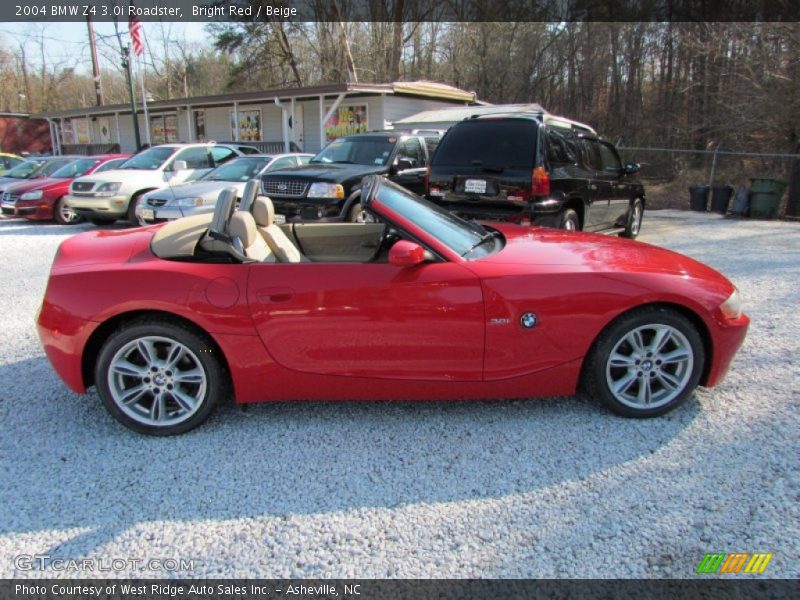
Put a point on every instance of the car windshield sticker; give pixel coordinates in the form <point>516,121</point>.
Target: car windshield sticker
<point>378,161</point>
<point>392,140</point>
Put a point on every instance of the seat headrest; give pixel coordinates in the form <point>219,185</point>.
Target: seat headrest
<point>222,211</point>
<point>243,226</point>
<point>263,211</point>
<point>249,194</point>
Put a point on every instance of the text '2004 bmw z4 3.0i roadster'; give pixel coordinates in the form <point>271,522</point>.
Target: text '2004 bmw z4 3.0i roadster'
<point>168,320</point>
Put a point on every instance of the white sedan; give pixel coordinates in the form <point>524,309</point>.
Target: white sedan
<point>200,196</point>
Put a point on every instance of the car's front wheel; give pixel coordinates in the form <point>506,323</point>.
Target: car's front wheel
<point>64,214</point>
<point>358,214</point>
<point>159,378</point>
<point>645,363</point>
<point>132,218</point>
<point>569,220</point>
<point>634,224</point>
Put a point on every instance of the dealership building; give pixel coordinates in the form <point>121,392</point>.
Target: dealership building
<point>301,119</point>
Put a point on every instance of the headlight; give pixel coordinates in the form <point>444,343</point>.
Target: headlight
<point>108,189</point>
<point>732,307</point>
<point>31,195</point>
<point>326,190</point>
<point>190,202</point>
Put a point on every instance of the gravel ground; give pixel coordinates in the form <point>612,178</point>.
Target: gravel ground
<point>541,488</point>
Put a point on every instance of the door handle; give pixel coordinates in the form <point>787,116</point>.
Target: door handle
<point>274,295</point>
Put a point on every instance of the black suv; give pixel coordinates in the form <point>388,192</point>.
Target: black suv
<point>539,168</point>
<point>329,186</point>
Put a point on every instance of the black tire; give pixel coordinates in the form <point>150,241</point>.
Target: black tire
<point>132,209</point>
<point>633,225</point>
<point>569,220</point>
<point>62,219</point>
<point>201,355</point>
<point>99,221</point>
<point>598,369</point>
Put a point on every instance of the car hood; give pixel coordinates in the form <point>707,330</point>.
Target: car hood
<point>145,176</point>
<point>332,173</point>
<point>196,188</point>
<point>37,184</point>
<point>538,246</point>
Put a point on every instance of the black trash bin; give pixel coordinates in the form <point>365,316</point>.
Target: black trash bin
<point>721,198</point>
<point>698,197</point>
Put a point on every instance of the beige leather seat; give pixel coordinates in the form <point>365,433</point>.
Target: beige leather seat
<point>243,226</point>
<point>278,242</point>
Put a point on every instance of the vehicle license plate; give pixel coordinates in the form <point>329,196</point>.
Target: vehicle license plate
<point>280,219</point>
<point>475,186</point>
<point>147,213</point>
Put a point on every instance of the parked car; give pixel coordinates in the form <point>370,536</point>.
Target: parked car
<point>106,197</point>
<point>536,167</point>
<point>9,161</point>
<point>34,168</point>
<point>420,304</point>
<point>329,187</point>
<point>200,195</point>
<point>43,199</point>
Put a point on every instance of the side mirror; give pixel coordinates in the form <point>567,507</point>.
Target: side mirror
<point>402,164</point>
<point>179,165</point>
<point>630,168</point>
<point>406,254</point>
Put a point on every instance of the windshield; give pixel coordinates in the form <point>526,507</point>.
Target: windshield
<point>25,170</point>
<point>239,169</point>
<point>509,143</point>
<point>364,150</point>
<point>149,160</point>
<point>75,168</point>
<point>466,239</point>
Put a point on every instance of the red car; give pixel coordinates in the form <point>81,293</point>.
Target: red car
<point>41,199</point>
<point>421,304</point>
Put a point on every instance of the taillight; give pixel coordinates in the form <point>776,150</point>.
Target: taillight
<point>541,182</point>
<point>427,177</point>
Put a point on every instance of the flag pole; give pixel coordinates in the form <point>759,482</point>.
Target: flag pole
<point>144,100</point>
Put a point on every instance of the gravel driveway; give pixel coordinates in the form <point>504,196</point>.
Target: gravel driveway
<point>541,488</point>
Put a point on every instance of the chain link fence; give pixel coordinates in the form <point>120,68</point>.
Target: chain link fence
<point>668,172</point>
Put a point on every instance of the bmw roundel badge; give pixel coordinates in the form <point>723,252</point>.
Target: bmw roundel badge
<point>528,320</point>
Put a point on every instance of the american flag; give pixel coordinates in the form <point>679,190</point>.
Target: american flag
<point>136,32</point>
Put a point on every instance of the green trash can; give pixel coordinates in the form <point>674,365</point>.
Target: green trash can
<point>765,196</point>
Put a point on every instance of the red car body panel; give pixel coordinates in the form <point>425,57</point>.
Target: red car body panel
<point>52,190</point>
<point>443,330</point>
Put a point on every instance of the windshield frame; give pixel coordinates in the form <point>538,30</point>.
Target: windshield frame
<point>94,162</point>
<point>389,142</point>
<point>242,158</point>
<point>39,165</point>
<point>475,234</point>
<point>173,150</point>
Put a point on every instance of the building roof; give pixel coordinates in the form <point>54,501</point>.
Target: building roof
<point>422,89</point>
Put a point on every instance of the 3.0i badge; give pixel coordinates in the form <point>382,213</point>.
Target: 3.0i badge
<point>528,320</point>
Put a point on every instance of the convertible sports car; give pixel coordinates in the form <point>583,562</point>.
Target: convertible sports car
<point>168,320</point>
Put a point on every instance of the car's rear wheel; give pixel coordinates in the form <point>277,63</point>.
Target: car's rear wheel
<point>64,214</point>
<point>159,378</point>
<point>569,220</point>
<point>645,363</point>
<point>634,223</point>
<point>132,218</point>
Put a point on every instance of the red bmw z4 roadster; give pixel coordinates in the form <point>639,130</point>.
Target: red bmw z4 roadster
<point>167,321</point>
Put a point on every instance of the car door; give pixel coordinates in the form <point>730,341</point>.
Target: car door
<point>619,192</point>
<point>598,185</point>
<point>411,174</point>
<point>372,320</point>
